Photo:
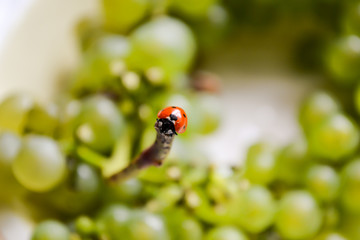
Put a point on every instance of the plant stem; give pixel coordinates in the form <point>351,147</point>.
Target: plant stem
<point>91,157</point>
<point>153,156</point>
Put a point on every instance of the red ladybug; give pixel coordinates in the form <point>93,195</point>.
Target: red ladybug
<point>176,115</point>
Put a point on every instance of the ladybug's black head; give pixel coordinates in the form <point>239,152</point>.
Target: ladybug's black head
<point>165,126</point>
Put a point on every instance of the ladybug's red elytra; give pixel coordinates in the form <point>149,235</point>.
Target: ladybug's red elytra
<point>177,116</point>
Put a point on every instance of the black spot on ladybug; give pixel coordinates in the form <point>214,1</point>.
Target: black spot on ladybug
<point>173,117</point>
<point>184,115</point>
<point>173,107</point>
<point>184,127</point>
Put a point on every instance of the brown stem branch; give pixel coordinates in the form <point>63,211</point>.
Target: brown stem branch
<point>153,156</point>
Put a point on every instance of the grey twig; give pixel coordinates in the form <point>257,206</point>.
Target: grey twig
<point>154,155</point>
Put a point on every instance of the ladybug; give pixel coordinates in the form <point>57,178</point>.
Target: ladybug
<point>176,116</point>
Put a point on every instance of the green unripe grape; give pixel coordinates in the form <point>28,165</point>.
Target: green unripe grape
<point>190,229</point>
<point>335,138</point>
<point>316,108</point>
<point>221,186</point>
<point>225,233</point>
<point>216,192</point>
<point>323,182</point>
<point>256,209</point>
<point>147,226</point>
<point>99,124</point>
<point>127,191</point>
<point>9,147</point>
<point>170,193</point>
<point>193,9</point>
<point>43,119</point>
<point>79,193</point>
<point>350,187</point>
<point>343,59</point>
<point>164,44</point>
<point>331,236</point>
<point>198,202</point>
<point>292,163</point>
<point>51,230</point>
<point>111,220</point>
<point>14,111</point>
<point>182,226</point>
<point>193,176</point>
<point>121,15</point>
<point>102,64</point>
<point>91,76</point>
<point>260,164</point>
<point>85,225</point>
<point>111,47</point>
<point>68,113</point>
<point>299,216</point>
<point>166,197</point>
<point>220,174</point>
<point>39,165</point>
